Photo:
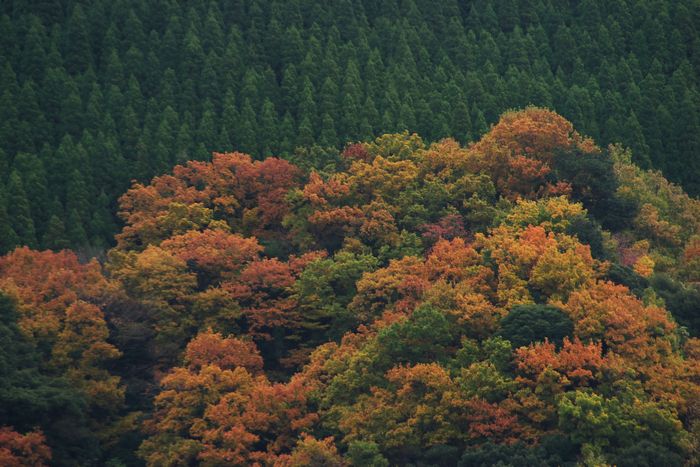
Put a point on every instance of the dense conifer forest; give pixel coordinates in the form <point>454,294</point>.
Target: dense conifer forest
<point>349,233</point>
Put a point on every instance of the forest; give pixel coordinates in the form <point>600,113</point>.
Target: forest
<point>349,233</point>
<point>96,94</point>
<point>529,299</point>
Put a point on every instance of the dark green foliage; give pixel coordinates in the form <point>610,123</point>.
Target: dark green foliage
<point>18,210</point>
<point>646,454</point>
<point>682,300</point>
<point>366,453</point>
<point>423,337</point>
<point>590,233</point>
<point>157,84</point>
<point>593,183</point>
<point>324,290</point>
<point>55,236</point>
<point>8,237</point>
<point>552,451</point>
<point>626,276</point>
<point>441,454</point>
<point>529,323</point>
<point>75,231</point>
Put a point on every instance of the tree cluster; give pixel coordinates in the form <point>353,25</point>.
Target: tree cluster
<point>527,299</point>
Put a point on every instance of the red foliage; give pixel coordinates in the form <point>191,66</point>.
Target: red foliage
<point>518,151</point>
<point>448,227</point>
<point>357,151</point>
<point>48,286</point>
<point>18,450</point>
<point>51,281</point>
<point>489,421</point>
<point>232,185</point>
<point>264,293</point>
<point>255,425</point>
<point>219,253</point>
<point>210,348</point>
<point>576,363</point>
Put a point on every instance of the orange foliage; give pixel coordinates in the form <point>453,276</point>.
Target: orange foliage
<point>210,348</point>
<point>692,251</point>
<point>192,255</point>
<point>518,151</point>
<point>271,415</point>
<point>555,264</point>
<point>232,187</point>
<point>18,450</point>
<point>456,261</point>
<point>46,283</point>
<point>319,192</point>
<point>535,133</point>
<point>399,285</point>
<point>492,422</point>
<point>576,364</point>
<point>378,223</point>
<point>223,414</point>
<point>608,312</point>
<point>345,218</point>
<point>264,293</point>
<point>644,266</point>
<point>423,407</point>
<point>60,303</point>
<point>691,260</point>
<point>218,253</point>
<point>312,451</point>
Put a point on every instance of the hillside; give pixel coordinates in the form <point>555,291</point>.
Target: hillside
<point>530,299</point>
<point>96,94</point>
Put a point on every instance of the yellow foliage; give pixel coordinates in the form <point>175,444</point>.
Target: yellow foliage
<point>644,266</point>
<point>395,146</point>
<point>553,214</point>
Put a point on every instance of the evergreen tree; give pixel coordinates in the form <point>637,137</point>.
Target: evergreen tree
<point>245,131</point>
<point>102,224</point>
<point>8,237</point>
<point>183,143</point>
<point>328,136</point>
<point>268,133</point>
<point>206,133</point>
<point>78,54</point>
<point>461,122</point>
<point>307,103</point>
<point>9,122</point>
<point>19,211</point>
<point>78,195</point>
<point>305,133</point>
<point>35,187</point>
<point>634,138</point>
<point>75,231</point>
<point>55,235</point>
<point>287,134</point>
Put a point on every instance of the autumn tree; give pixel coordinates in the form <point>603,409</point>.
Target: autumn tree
<point>17,450</point>
<point>220,409</point>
